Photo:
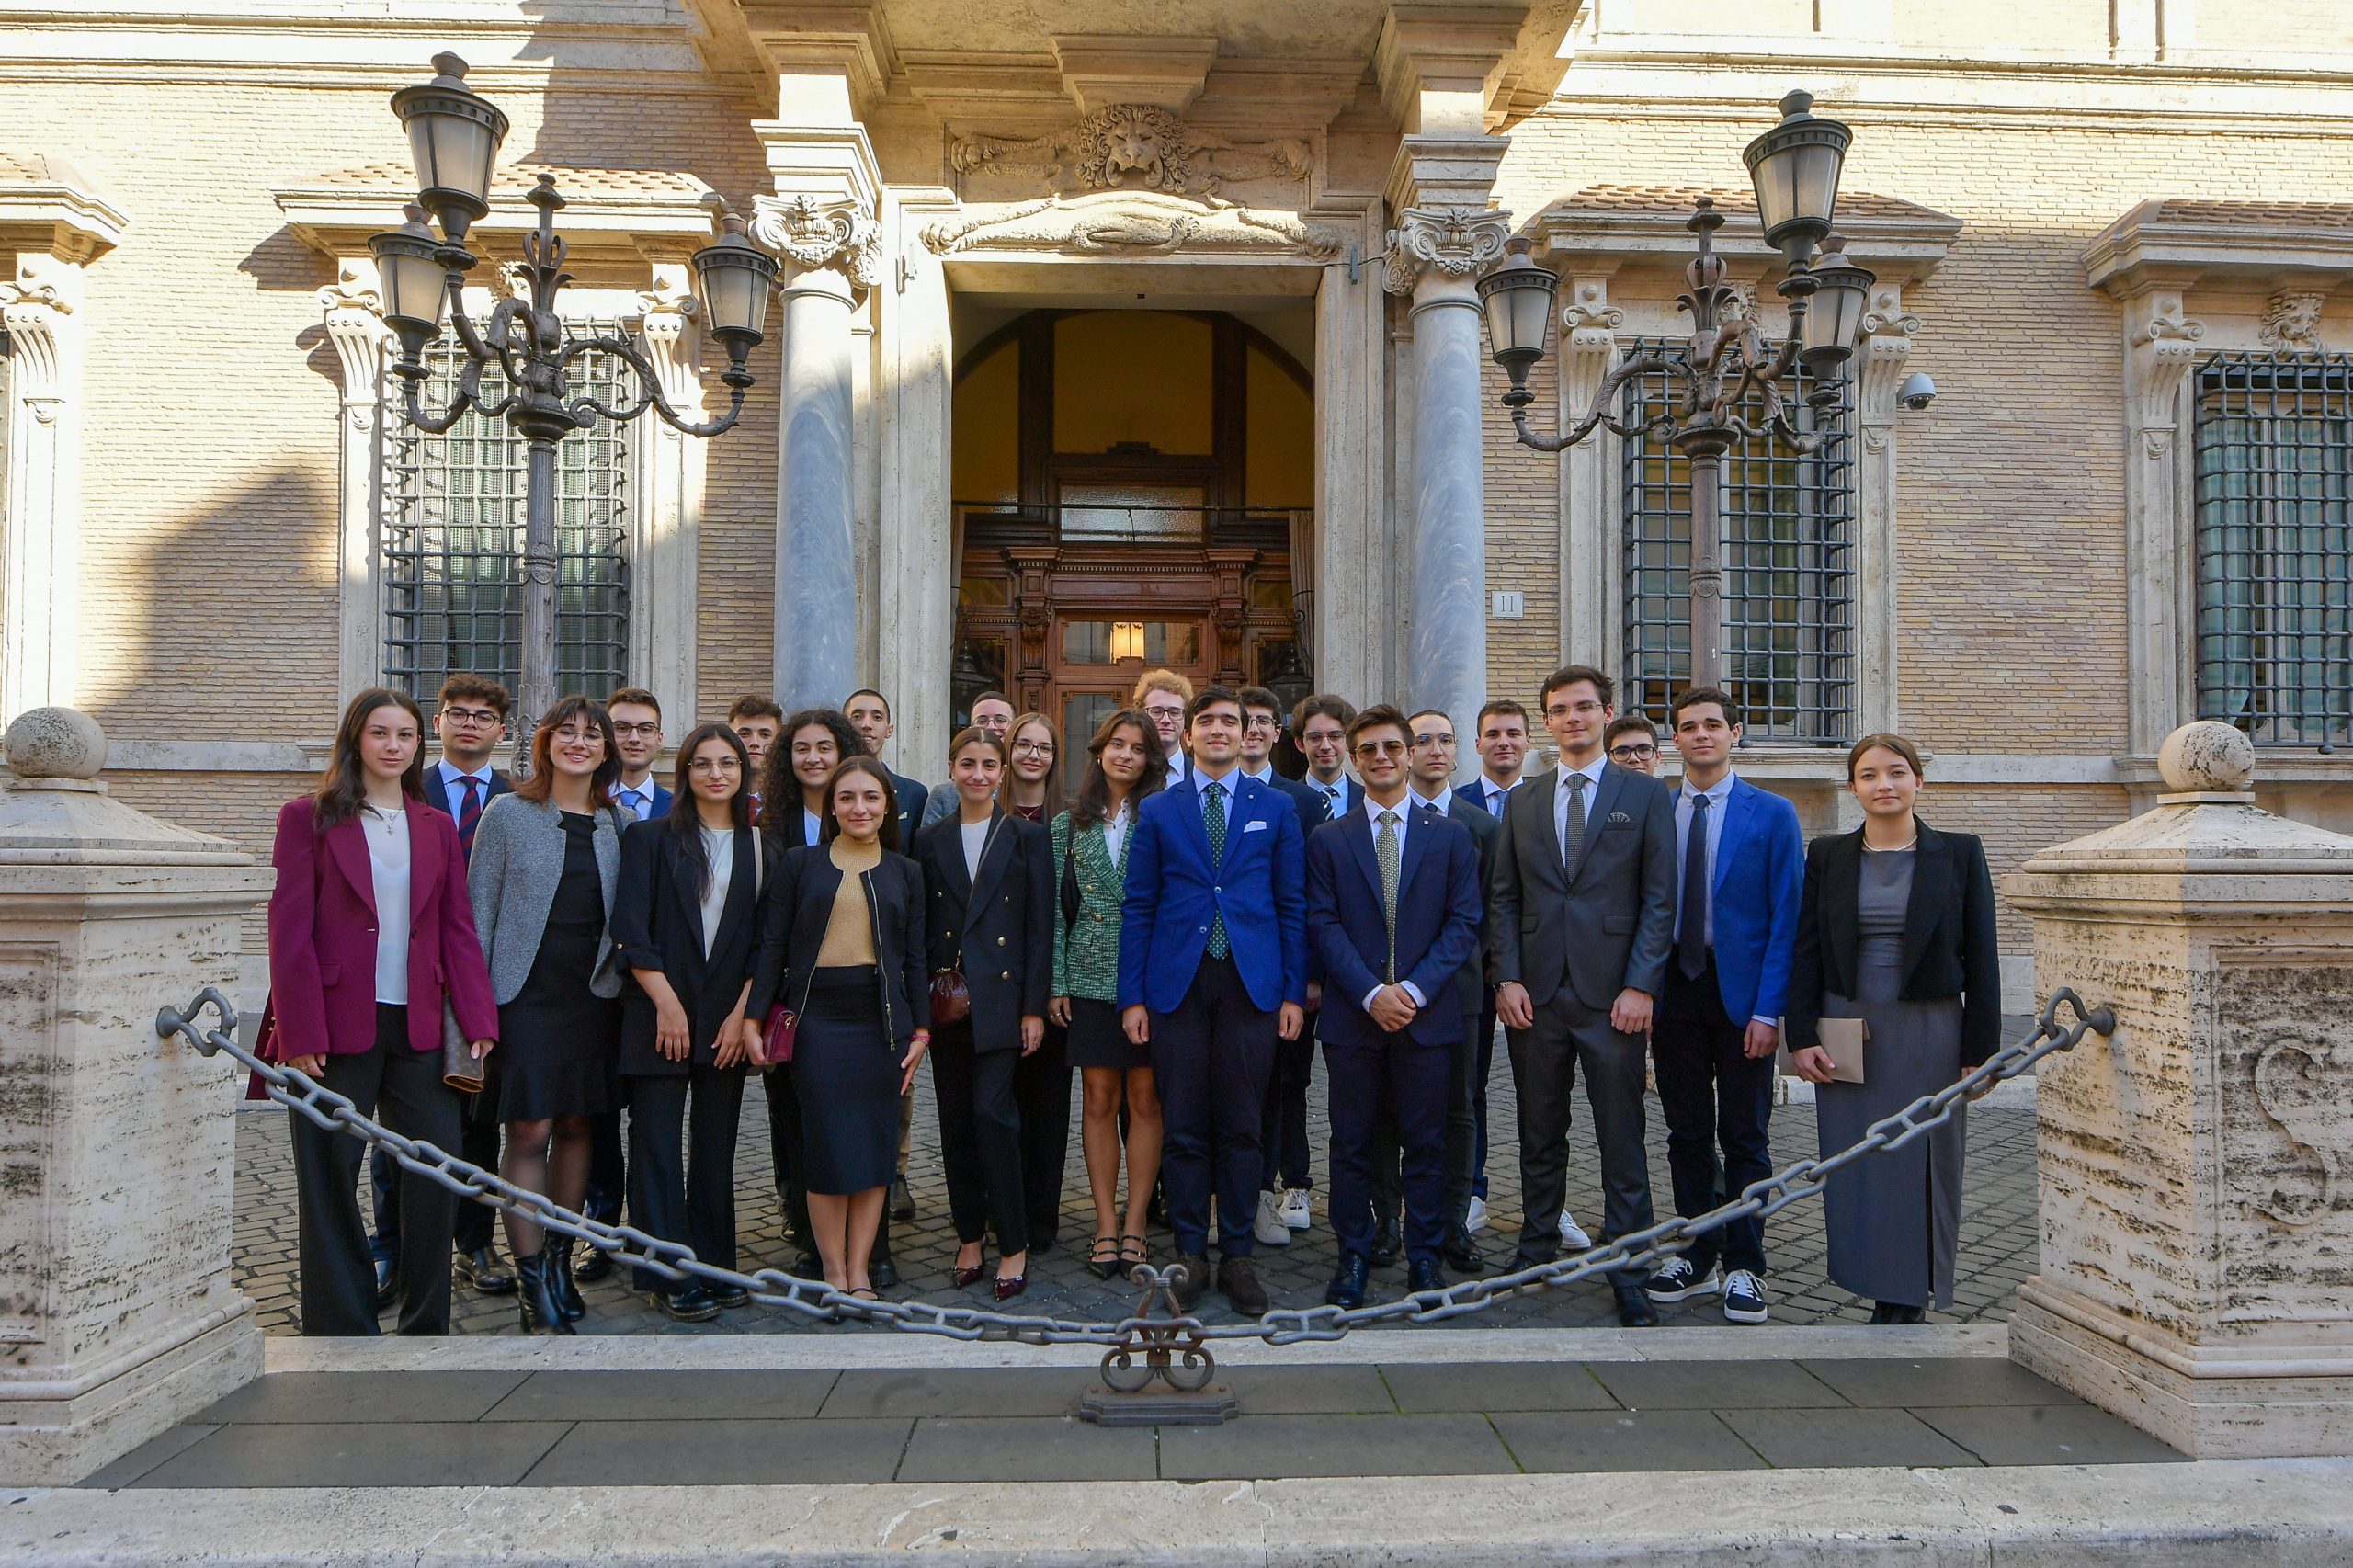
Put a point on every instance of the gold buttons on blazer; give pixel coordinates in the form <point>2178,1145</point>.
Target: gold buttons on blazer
<point>1006,976</point>
<point>1000,941</point>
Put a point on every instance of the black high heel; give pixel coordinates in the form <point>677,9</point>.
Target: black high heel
<point>536,1299</point>
<point>558,1251</point>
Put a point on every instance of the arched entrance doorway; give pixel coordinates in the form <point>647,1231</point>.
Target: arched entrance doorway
<point>1132,488</point>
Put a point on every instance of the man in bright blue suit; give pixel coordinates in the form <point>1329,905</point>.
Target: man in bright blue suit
<point>1393,910</point>
<point>1212,972</point>
<point>1741,861</point>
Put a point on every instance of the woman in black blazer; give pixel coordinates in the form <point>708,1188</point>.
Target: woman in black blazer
<point>686,920</point>
<point>1896,929</point>
<point>991,881</point>
<point>841,945</point>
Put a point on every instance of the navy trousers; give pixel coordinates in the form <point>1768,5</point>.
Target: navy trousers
<point>1714,1095</point>
<point>1211,1060</point>
<point>1402,1083</point>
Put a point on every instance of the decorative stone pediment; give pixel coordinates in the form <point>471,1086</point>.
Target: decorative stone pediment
<point>1133,147</point>
<point>1131,222</point>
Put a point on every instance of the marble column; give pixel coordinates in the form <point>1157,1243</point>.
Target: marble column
<point>355,328</point>
<point>41,581</point>
<point>1436,254</point>
<point>119,1149</point>
<point>829,251</point>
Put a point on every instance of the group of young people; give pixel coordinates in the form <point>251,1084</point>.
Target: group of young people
<point>1181,927</point>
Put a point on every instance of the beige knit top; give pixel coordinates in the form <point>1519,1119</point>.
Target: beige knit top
<point>849,932</point>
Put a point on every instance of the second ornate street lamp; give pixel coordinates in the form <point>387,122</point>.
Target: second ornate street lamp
<point>455,135</point>
<point>1795,168</point>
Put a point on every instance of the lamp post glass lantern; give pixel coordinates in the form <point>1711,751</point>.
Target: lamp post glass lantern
<point>1728,367</point>
<point>455,135</point>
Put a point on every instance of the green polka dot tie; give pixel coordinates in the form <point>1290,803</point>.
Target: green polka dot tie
<point>1213,822</point>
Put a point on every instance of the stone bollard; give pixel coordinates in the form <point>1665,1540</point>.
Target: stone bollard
<point>2197,1170</point>
<point>118,1150</point>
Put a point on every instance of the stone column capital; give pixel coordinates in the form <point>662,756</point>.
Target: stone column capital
<point>2160,347</point>
<point>1452,243</point>
<point>670,325</point>
<point>810,234</point>
<point>37,310</point>
<point>1881,353</point>
<point>355,320</point>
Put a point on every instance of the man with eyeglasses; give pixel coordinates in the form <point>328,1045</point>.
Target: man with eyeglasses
<point>470,720</point>
<point>1581,920</point>
<point>1631,741</point>
<point>1392,912</point>
<point>637,736</point>
<point>1320,725</point>
<point>1286,1192</point>
<point>1164,695</point>
<point>993,712</point>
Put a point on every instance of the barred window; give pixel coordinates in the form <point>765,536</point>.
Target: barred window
<point>453,539</point>
<point>1788,553</point>
<point>2275,565</point>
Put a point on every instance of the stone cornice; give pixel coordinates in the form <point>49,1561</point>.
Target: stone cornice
<point>2174,244</point>
<point>48,204</point>
<point>1129,222</point>
<point>608,211</point>
<point>1608,227</point>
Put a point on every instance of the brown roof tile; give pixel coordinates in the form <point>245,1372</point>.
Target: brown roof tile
<point>2256,214</point>
<point>572,181</point>
<point>1679,198</point>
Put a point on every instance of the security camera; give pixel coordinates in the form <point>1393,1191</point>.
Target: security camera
<point>1917,392</point>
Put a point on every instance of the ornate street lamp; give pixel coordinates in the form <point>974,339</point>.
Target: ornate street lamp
<point>1795,169</point>
<point>455,135</point>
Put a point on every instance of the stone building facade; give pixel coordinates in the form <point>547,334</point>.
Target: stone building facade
<point>1118,331</point>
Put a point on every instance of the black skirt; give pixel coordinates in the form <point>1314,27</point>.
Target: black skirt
<point>559,1043</point>
<point>846,1073</point>
<point>1097,1040</point>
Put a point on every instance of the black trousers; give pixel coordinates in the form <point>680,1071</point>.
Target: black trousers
<point>1210,1061</point>
<point>402,1088</point>
<point>1283,1131</point>
<point>1711,1093</point>
<point>784,1151</point>
<point>1389,1097</point>
<point>1544,1062</point>
<point>682,1161</point>
<point>980,1138</point>
<point>1462,1138</point>
<point>1482,1070</point>
<point>478,1135</point>
<point>607,1167</point>
<point>1042,1098</point>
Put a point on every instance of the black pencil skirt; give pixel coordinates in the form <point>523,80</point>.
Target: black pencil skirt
<point>846,1073</point>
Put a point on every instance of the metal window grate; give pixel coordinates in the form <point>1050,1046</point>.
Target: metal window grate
<point>2274,572</point>
<point>453,540</point>
<point>1788,553</point>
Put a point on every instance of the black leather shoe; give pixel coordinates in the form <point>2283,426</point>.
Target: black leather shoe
<point>594,1266</point>
<point>1192,1278</point>
<point>731,1296</point>
<point>388,1282</point>
<point>1424,1274</point>
<point>1347,1288</point>
<point>881,1271</point>
<point>1238,1278</point>
<point>903,1200</point>
<point>541,1313</point>
<point>557,1250</point>
<point>482,1270</point>
<point>1634,1309</point>
<point>1387,1246</point>
<point>1462,1254</point>
<point>693,1304</point>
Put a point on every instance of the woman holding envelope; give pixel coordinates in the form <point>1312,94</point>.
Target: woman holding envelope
<point>1896,970</point>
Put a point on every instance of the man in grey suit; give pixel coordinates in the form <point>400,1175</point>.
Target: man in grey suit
<point>1581,916</point>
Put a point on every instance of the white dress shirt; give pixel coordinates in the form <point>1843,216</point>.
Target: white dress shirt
<point>1404,810</point>
<point>1495,795</point>
<point>718,850</point>
<point>1442,802</point>
<point>1561,794</point>
<point>637,799</point>
<point>451,791</point>
<point>1718,794</point>
<point>1232,783</point>
<point>388,869</point>
<point>1335,795</point>
<point>1115,831</point>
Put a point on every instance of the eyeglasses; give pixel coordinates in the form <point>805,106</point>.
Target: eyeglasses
<point>1033,748</point>
<point>1633,754</point>
<point>1581,709</point>
<point>634,731</point>
<point>1433,740</point>
<point>1164,710</point>
<point>472,716</point>
<point>1380,748</point>
<point>1262,721</point>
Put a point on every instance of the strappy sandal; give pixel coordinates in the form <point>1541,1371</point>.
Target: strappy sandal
<point>1103,1259</point>
<point>1142,1253</point>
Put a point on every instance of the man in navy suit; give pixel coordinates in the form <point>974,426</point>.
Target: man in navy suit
<point>637,736</point>
<point>1320,726</point>
<point>1741,861</point>
<point>1212,972</point>
<point>1287,1184</point>
<point>1392,912</point>
<point>470,720</point>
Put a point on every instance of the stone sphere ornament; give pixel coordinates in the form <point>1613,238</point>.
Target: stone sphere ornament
<point>2208,757</point>
<point>55,742</point>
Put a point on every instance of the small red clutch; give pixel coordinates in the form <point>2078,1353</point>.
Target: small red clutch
<point>776,1034</point>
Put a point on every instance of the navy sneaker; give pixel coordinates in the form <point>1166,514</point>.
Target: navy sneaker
<point>1677,1280</point>
<point>1744,1297</point>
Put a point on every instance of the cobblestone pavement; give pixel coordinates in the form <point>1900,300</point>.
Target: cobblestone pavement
<point>1998,1233</point>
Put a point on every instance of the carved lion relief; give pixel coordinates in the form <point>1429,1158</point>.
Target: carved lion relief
<point>2292,323</point>
<point>1133,147</point>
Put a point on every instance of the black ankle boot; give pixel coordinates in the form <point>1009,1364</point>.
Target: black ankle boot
<point>542,1315</point>
<point>558,1252</point>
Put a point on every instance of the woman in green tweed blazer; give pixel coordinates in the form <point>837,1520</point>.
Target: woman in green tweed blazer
<point>1124,765</point>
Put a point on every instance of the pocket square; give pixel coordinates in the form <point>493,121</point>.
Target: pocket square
<point>1617,817</point>
<point>1254,827</point>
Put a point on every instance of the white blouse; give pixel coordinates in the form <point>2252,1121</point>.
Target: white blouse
<point>388,868</point>
<point>719,849</point>
<point>1115,832</point>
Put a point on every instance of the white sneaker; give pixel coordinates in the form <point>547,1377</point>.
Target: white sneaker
<point>1476,1218</point>
<point>1572,1234</point>
<point>1297,1212</point>
<point>1269,1228</point>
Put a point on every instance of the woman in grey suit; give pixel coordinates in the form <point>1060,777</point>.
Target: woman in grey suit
<point>546,862</point>
<point>1896,929</point>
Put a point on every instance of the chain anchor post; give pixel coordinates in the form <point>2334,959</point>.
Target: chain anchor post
<point>1162,1347</point>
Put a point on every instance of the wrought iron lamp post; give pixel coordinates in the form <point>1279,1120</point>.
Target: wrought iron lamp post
<point>1795,167</point>
<point>455,134</point>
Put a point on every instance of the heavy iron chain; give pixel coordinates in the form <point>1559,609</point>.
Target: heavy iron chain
<point>1284,1325</point>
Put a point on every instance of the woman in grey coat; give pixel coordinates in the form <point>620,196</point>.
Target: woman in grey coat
<point>1896,929</point>
<point>546,861</point>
